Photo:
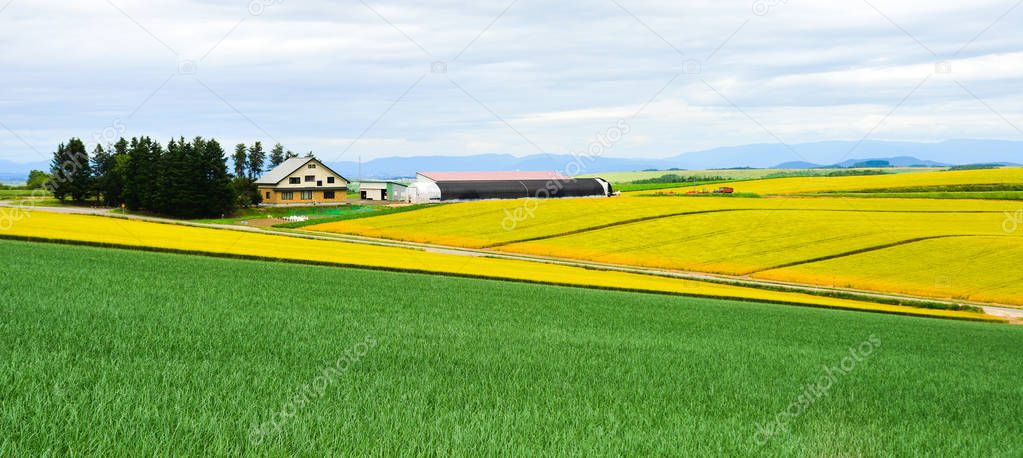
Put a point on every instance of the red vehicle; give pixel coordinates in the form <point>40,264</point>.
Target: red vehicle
<point>724,190</point>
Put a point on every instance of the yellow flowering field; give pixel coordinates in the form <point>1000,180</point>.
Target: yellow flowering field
<point>743,242</point>
<point>802,185</point>
<point>984,269</point>
<point>486,223</point>
<point>170,237</point>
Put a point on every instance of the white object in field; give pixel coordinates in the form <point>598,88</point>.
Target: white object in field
<point>422,192</point>
<point>296,218</point>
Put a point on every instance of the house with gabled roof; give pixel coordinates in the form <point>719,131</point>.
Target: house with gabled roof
<point>302,180</point>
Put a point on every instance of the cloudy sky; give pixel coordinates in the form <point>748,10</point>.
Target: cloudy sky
<point>374,78</point>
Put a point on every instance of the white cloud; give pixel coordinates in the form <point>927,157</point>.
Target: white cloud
<point>315,74</point>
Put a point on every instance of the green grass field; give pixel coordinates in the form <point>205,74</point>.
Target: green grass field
<point>6,194</point>
<point>144,356</point>
<point>318,214</point>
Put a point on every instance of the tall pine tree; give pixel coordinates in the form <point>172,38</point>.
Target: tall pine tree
<point>240,160</point>
<point>71,171</point>
<point>60,169</point>
<point>257,157</point>
<point>276,155</point>
<point>218,195</point>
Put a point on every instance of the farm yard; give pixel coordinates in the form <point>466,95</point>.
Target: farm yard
<point>164,361</point>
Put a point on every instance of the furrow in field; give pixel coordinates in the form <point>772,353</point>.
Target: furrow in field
<point>672,215</point>
<point>748,241</point>
<point>858,251</point>
<point>981,268</point>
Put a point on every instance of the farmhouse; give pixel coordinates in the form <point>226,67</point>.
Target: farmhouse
<point>382,190</point>
<point>446,186</point>
<point>302,180</point>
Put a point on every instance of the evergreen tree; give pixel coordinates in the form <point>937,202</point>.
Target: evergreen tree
<point>173,181</point>
<point>217,192</point>
<point>141,174</point>
<point>102,164</point>
<point>240,159</point>
<point>290,154</point>
<point>256,160</point>
<point>60,168</point>
<point>79,180</point>
<point>113,178</point>
<point>277,155</point>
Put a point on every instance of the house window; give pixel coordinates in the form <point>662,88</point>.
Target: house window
<point>307,195</point>
<point>310,178</point>
<point>312,166</point>
<point>319,183</point>
<point>287,195</point>
<point>330,180</point>
<point>268,194</point>
<point>328,195</point>
<point>294,180</point>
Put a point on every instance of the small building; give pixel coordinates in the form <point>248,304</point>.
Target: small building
<point>302,180</point>
<point>382,190</point>
<point>451,186</point>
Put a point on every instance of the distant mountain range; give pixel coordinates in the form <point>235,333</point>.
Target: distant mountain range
<point>900,161</point>
<point>764,155</point>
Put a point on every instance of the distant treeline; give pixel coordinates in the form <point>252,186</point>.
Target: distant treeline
<point>185,179</point>
<point>674,178</point>
<point>855,173</point>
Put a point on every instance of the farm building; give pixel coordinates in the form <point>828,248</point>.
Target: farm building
<point>382,190</point>
<point>447,186</point>
<point>302,180</point>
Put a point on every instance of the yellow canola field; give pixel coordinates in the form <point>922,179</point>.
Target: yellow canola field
<point>804,185</point>
<point>743,242</point>
<point>139,234</point>
<point>986,269</point>
<point>485,223</point>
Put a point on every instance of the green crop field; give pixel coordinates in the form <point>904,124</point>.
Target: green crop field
<point>143,356</point>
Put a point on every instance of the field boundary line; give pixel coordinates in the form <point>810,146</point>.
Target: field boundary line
<point>864,250</point>
<point>917,312</point>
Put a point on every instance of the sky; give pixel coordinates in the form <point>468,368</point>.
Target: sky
<point>375,78</point>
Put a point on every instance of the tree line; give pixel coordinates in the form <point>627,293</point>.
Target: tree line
<point>184,179</point>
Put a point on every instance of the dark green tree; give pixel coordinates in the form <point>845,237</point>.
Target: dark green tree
<point>61,169</point>
<point>277,155</point>
<point>257,157</point>
<point>218,195</point>
<point>240,160</point>
<point>142,174</point>
<point>107,185</point>
<point>37,179</point>
<point>72,173</point>
<point>290,154</point>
